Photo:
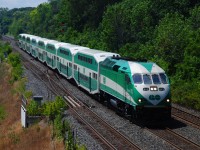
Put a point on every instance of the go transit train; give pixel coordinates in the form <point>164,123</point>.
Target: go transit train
<point>135,88</point>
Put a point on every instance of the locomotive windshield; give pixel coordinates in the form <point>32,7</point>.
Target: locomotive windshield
<point>150,79</point>
<point>137,78</point>
<point>147,79</point>
<point>163,78</point>
<point>156,79</point>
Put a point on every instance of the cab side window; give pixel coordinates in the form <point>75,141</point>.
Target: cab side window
<point>127,79</point>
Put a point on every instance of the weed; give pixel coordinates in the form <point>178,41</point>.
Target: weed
<point>14,137</point>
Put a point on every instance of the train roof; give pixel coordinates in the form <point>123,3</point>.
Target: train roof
<point>72,48</point>
<point>145,67</point>
<point>36,38</point>
<point>28,35</point>
<point>44,40</point>
<point>98,54</point>
<point>125,65</point>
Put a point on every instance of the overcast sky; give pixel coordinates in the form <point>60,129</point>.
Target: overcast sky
<point>20,3</point>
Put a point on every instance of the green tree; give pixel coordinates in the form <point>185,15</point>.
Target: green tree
<point>127,22</point>
<point>171,39</point>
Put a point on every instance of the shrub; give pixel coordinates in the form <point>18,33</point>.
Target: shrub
<point>33,108</point>
<point>187,93</point>
<point>14,60</point>
<point>51,109</point>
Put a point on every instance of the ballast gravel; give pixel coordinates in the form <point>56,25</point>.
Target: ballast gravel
<point>141,137</point>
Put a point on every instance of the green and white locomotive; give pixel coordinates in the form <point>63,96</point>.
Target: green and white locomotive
<point>134,88</point>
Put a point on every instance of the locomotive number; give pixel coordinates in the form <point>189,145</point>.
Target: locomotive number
<point>154,97</point>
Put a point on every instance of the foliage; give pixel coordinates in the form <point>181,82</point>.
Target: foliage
<point>52,109</point>
<point>33,108</point>
<point>14,60</point>
<point>5,49</point>
<point>60,126</point>
<point>126,22</point>
<point>187,94</point>
<point>28,94</point>
<point>171,39</point>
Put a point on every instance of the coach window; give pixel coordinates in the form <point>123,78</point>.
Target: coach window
<point>94,75</point>
<point>70,65</point>
<point>75,67</point>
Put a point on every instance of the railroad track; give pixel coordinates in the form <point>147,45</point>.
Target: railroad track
<point>108,136</point>
<point>186,117</point>
<point>104,132</point>
<point>176,140</point>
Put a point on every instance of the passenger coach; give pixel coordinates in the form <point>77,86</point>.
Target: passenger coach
<point>65,58</point>
<point>86,68</point>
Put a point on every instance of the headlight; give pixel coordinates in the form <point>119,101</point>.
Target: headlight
<point>168,100</point>
<point>140,100</point>
<point>154,88</point>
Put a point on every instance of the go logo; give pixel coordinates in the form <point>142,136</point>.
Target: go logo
<point>154,97</point>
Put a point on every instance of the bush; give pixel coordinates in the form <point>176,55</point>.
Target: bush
<point>14,60</point>
<point>187,93</point>
<point>33,108</point>
<point>51,109</point>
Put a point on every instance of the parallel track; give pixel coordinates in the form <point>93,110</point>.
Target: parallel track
<point>186,117</point>
<point>175,139</point>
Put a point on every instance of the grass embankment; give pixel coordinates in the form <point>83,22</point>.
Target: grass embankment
<point>12,135</point>
<point>37,136</point>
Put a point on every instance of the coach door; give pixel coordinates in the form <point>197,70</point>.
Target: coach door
<point>59,64</point>
<point>78,75</point>
<point>43,56</point>
<point>90,82</point>
<point>67,64</point>
<point>128,88</point>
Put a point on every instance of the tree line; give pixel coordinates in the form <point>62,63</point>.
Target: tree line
<point>166,32</point>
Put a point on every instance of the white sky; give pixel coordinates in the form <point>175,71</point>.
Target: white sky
<point>20,3</point>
